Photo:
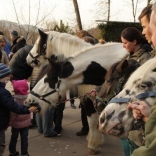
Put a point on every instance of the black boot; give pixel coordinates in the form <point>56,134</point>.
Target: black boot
<point>85,126</point>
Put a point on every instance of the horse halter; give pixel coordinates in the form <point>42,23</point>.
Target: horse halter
<point>42,97</point>
<point>139,97</point>
<point>35,61</point>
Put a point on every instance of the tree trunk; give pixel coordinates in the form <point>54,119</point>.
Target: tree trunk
<point>134,8</point>
<point>78,18</point>
<point>108,10</point>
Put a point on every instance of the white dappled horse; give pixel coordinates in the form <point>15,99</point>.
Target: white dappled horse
<point>116,119</point>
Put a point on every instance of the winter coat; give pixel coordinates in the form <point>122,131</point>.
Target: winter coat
<point>142,55</point>
<point>20,120</point>
<point>18,64</point>
<point>17,44</point>
<point>153,53</point>
<point>149,149</point>
<point>7,104</point>
<point>4,58</point>
<point>7,47</point>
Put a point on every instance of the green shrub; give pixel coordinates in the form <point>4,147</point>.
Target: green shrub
<point>111,31</point>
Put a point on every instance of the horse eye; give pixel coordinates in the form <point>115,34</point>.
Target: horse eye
<point>143,85</point>
<point>44,45</point>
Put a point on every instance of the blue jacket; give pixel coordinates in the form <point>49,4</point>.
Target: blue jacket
<point>7,105</point>
<point>7,48</point>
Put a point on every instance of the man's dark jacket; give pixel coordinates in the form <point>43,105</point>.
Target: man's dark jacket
<point>18,64</point>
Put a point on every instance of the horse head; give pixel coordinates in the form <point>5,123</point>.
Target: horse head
<point>49,82</point>
<point>37,54</point>
<point>116,119</point>
<point>115,79</point>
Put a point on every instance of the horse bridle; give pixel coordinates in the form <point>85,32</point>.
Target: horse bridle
<point>42,97</point>
<point>35,61</point>
<point>139,97</point>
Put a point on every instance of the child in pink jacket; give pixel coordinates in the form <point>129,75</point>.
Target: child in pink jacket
<point>19,123</point>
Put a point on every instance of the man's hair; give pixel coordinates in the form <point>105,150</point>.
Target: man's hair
<point>146,12</point>
<point>1,33</point>
<point>154,11</point>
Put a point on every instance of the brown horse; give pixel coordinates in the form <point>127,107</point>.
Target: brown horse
<point>115,79</point>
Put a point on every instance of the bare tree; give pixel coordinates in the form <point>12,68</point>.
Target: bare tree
<point>27,30</point>
<point>102,9</point>
<point>78,18</point>
<point>108,10</point>
<point>134,9</point>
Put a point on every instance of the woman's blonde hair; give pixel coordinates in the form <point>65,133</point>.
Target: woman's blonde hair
<point>2,38</point>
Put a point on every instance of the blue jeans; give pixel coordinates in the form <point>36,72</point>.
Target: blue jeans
<point>24,140</point>
<point>2,142</point>
<point>44,120</point>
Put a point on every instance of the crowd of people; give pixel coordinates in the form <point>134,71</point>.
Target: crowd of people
<point>13,66</point>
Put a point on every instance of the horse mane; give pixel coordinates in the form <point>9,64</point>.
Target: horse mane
<point>132,65</point>
<point>65,42</point>
<point>141,72</point>
<point>118,72</point>
<point>108,44</point>
<point>53,70</point>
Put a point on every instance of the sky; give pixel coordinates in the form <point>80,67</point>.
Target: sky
<point>121,10</point>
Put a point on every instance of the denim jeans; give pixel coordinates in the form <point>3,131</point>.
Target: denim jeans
<point>24,140</point>
<point>2,142</point>
<point>44,120</point>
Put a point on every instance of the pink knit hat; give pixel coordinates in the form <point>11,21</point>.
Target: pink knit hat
<point>20,87</point>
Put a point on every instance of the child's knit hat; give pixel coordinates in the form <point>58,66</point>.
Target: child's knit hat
<point>4,70</point>
<point>20,87</point>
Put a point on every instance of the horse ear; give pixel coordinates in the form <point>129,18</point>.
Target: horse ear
<point>122,65</point>
<point>42,34</point>
<point>52,60</point>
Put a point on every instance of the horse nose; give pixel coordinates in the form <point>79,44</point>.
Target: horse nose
<point>28,101</point>
<point>102,119</point>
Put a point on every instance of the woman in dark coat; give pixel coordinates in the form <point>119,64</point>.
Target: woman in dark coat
<point>18,64</point>
<point>17,43</point>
